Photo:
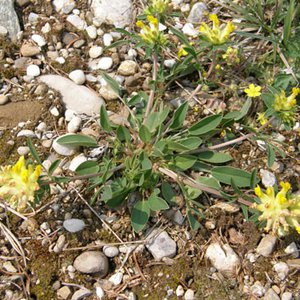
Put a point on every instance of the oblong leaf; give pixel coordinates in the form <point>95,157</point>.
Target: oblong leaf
<point>104,121</point>
<point>179,115</point>
<point>77,140</point>
<point>214,157</point>
<point>206,125</point>
<point>88,167</point>
<point>140,215</point>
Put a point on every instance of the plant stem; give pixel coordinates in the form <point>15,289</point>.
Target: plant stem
<point>194,184</point>
<point>152,92</point>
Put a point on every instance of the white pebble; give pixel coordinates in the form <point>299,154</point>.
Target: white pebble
<point>292,249</point>
<point>77,76</point>
<point>39,40</point>
<point>91,31</point>
<point>26,133</point>
<point>189,295</point>
<point>105,63</point>
<point>179,291</point>
<point>99,292</point>
<point>282,269</point>
<point>54,111</point>
<point>23,150</point>
<point>95,51</point>
<point>33,71</point>
<point>46,28</point>
<point>77,161</point>
<point>74,125</point>
<point>169,63</point>
<point>107,39</point>
<point>116,279</point>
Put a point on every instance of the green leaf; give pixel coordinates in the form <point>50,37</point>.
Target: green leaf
<point>155,119</point>
<point>144,134</point>
<point>33,151</point>
<point>123,134</point>
<point>112,82</point>
<point>206,125</point>
<point>168,193</point>
<point>271,155</point>
<point>180,35</point>
<point>195,225</point>
<point>227,174</point>
<point>156,203</point>
<point>179,116</point>
<point>140,215</point>
<point>288,22</point>
<point>214,157</point>
<point>184,162</point>
<point>117,44</point>
<point>88,167</point>
<point>253,180</point>
<point>209,181</point>
<point>191,143</point>
<point>244,111</point>
<point>77,140</point>
<point>53,166</point>
<point>104,121</point>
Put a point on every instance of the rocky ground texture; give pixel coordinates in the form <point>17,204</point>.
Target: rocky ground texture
<point>52,55</point>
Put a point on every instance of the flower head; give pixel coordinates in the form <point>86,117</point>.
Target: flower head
<point>261,118</point>
<point>231,56</point>
<point>216,35</point>
<point>150,33</point>
<point>18,184</point>
<point>253,91</point>
<point>281,211</point>
<point>158,6</point>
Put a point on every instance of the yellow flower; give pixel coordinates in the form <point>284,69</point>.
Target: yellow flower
<point>281,211</point>
<point>18,184</point>
<point>182,52</point>
<point>261,118</point>
<point>216,35</point>
<point>150,33</point>
<point>286,103</point>
<point>160,6</point>
<point>231,56</point>
<point>253,91</point>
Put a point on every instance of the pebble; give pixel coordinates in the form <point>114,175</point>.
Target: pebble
<point>131,296</point>
<point>92,262</point>
<point>189,295</point>
<point>64,6</point>
<point>105,63</point>
<point>33,71</point>
<point>39,40</point>
<point>179,291</point>
<point>267,178</point>
<point>95,51</point>
<point>26,133</point>
<point>81,294</point>
<point>282,270</point>
<point>107,39</point>
<point>77,161</point>
<point>266,245</point>
<point>169,63</point>
<point>161,245</point>
<point>3,31</point>
<point>132,53</point>
<point>54,111</point>
<point>46,28</point>
<point>91,31</point>
<point>77,76</point>
<point>127,68</point>
<point>64,292</point>
<point>73,225</point>
<point>64,150</point>
<point>271,295</point>
<point>3,99</point>
<point>197,12</point>
<point>108,93</point>
<point>257,289</point>
<point>292,249</point>
<point>77,22</point>
<point>33,17</point>
<point>8,266</point>
<point>29,50</point>
<point>60,244</point>
<point>111,251</point>
<point>189,30</point>
<point>287,296</point>
<point>116,279</point>
<point>223,258</point>
<point>99,292</point>
<point>23,150</point>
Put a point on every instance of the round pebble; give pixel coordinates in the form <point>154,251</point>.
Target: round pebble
<point>95,51</point>
<point>110,251</point>
<point>3,99</point>
<point>77,76</point>
<point>73,225</point>
<point>33,71</point>
<point>105,63</point>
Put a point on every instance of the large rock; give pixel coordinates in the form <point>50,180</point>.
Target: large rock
<point>116,12</point>
<point>8,18</point>
<point>77,98</point>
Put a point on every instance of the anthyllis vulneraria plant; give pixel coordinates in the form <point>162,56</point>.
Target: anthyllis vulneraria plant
<point>281,211</point>
<point>157,7</point>
<point>19,183</point>
<point>231,56</point>
<point>216,35</point>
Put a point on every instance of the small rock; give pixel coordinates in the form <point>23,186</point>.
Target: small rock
<point>56,285</point>
<point>99,292</point>
<point>223,258</point>
<point>26,133</point>
<point>179,291</point>
<point>8,18</point>
<point>282,269</point>
<point>128,67</point>
<point>46,28</point>
<point>33,17</point>
<point>161,245</point>
<point>29,50</point>
<point>95,51</point>
<point>39,40</point>
<point>189,30</point>
<point>287,296</point>
<point>77,22</point>
<point>92,262</point>
<point>189,295</point>
<point>107,39</point>
<point>271,295</point>
<point>54,111</point>
<point>267,178</point>
<point>64,292</point>
<point>77,76</point>
<point>266,245</point>
<point>228,207</point>
<point>60,244</point>
<point>197,12</point>
<point>64,150</point>
<point>8,266</point>
<point>77,161</point>
<point>64,6</point>
<point>257,289</point>
<point>91,31</point>
<point>108,93</point>
<point>3,99</point>
<point>110,251</point>
<point>3,31</point>
<point>131,296</point>
<point>33,71</point>
<point>23,150</point>
<point>116,279</point>
<point>292,249</point>
<point>105,63</point>
<point>81,294</point>
<point>73,225</point>
<point>169,63</point>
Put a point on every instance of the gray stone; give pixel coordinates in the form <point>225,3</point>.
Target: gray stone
<point>73,225</point>
<point>81,294</point>
<point>267,245</point>
<point>161,245</point>
<point>197,12</point>
<point>287,296</point>
<point>110,251</point>
<point>271,295</point>
<point>90,262</point>
<point>282,270</point>
<point>267,178</point>
<point>189,295</point>
<point>128,67</point>
<point>257,289</point>
<point>116,279</point>
<point>60,243</point>
<point>116,12</point>
<point>292,249</point>
<point>223,258</point>
<point>63,293</point>
<point>77,98</point>
<point>26,133</point>
<point>8,18</point>
<point>29,50</point>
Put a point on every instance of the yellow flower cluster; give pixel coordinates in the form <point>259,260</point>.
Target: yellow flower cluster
<point>284,103</point>
<point>261,118</point>
<point>18,184</point>
<point>160,6</point>
<point>280,211</point>
<point>231,56</point>
<point>216,35</point>
<point>150,33</point>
